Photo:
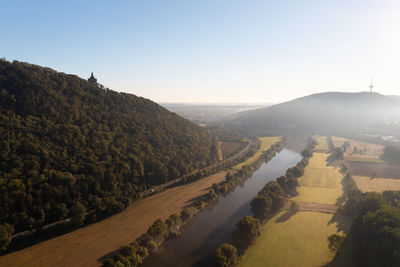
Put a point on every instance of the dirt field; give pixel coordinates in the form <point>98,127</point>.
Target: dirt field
<point>367,184</point>
<point>87,245</point>
<point>374,169</point>
<point>365,152</point>
<point>228,148</point>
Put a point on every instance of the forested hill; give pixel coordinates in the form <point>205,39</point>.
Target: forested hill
<point>332,112</point>
<point>67,146</point>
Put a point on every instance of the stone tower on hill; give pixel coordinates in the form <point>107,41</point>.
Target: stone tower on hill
<point>92,80</point>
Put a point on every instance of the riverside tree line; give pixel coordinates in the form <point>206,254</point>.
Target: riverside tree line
<point>135,253</point>
<point>268,201</point>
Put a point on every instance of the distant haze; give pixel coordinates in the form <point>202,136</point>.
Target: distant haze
<point>212,51</point>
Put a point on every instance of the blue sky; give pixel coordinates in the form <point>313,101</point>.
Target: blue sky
<point>211,51</point>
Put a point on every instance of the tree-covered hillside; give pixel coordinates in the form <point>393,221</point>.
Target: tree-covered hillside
<point>67,146</point>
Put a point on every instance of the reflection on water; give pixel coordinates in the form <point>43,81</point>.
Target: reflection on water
<point>215,224</point>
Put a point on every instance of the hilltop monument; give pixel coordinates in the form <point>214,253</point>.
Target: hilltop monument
<point>92,80</point>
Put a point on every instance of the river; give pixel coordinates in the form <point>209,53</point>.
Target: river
<point>214,224</point>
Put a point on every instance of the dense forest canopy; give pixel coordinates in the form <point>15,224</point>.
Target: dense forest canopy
<point>68,147</point>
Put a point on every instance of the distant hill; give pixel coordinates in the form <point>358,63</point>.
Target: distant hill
<point>332,111</point>
<point>67,146</point>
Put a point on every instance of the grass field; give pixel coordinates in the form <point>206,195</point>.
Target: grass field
<point>366,184</point>
<point>320,183</point>
<point>299,241</point>
<point>266,143</point>
<point>322,143</point>
<point>84,247</point>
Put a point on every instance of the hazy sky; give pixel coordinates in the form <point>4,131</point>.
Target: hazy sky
<point>211,51</point>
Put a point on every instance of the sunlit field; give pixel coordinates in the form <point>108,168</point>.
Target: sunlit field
<point>368,184</point>
<point>301,240</point>
<point>320,183</point>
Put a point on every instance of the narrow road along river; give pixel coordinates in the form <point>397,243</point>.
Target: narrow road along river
<point>215,224</point>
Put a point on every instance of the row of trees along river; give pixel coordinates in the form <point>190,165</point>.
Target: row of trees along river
<point>215,223</point>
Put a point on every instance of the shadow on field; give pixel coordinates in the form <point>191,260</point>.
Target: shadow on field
<point>286,216</point>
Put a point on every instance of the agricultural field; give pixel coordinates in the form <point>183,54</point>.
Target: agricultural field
<point>368,184</point>
<point>320,183</point>
<point>87,245</point>
<point>358,151</point>
<point>299,241</point>
<point>229,148</point>
<point>374,169</point>
<point>266,143</point>
<point>322,143</point>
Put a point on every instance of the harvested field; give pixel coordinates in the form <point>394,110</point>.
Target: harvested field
<point>322,143</point>
<point>374,169</point>
<point>300,240</point>
<point>368,184</point>
<point>230,148</point>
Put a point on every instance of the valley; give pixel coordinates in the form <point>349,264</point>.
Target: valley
<point>299,238</point>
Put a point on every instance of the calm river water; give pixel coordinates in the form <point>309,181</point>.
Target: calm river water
<point>214,225</point>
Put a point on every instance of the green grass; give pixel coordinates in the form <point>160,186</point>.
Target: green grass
<point>266,143</point>
<point>320,183</point>
<point>299,241</point>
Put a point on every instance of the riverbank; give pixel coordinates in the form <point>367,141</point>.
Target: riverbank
<point>300,239</point>
<point>87,245</point>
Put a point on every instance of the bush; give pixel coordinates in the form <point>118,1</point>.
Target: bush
<point>226,255</point>
<point>247,229</point>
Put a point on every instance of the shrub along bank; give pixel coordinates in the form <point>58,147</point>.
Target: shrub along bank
<point>135,253</point>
